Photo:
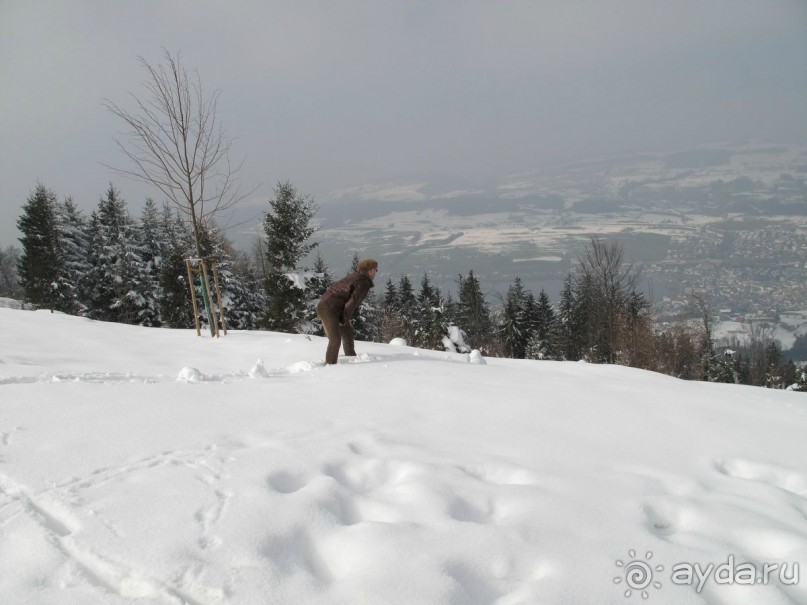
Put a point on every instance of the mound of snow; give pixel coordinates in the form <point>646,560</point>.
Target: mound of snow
<point>476,357</point>
<point>188,374</point>
<point>303,366</point>
<point>398,342</point>
<point>10,303</point>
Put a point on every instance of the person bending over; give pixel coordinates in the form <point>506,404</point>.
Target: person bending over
<point>336,307</point>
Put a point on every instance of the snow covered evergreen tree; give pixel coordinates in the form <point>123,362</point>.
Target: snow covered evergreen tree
<point>407,309</point>
<point>392,324</point>
<point>41,267</point>
<point>513,330</point>
<point>153,243</point>
<point>9,280</point>
<point>800,383</point>
<point>288,228</point>
<point>174,299</point>
<point>245,297</point>
<point>544,342</point>
<point>74,247</point>
<point>319,282</point>
<point>242,305</point>
<point>115,278</point>
<point>585,335</point>
<point>431,326</point>
<point>473,312</point>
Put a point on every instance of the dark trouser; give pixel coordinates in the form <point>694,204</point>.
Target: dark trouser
<point>336,334</point>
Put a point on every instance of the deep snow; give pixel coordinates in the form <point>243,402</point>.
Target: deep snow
<point>154,466</point>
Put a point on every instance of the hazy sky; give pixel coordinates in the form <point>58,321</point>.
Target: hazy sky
<point>331,94</point>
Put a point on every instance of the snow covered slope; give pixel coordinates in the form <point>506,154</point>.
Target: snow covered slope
<point>402,476</point>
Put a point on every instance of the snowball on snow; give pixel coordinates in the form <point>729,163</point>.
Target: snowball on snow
<point>187,374</point>
<point>398,342</point>
<point>258,371</point>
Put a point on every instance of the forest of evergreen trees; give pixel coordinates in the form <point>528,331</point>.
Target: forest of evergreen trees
<point>111,266</point>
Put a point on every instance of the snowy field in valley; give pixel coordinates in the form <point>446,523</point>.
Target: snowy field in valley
<point>154,466</point>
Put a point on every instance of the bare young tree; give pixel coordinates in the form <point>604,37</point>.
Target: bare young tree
<point>175,143</point>
<point>759,336</point>
<point>611,286</point>
<point>704,310</point>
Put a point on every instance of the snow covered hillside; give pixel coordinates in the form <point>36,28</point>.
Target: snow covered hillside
<point>153,466</point>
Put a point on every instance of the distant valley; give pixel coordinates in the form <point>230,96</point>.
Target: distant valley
<point>729,220</point>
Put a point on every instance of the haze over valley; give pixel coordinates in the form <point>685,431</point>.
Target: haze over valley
<point>729,220</point>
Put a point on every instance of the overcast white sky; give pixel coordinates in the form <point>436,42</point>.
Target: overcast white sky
<point>331,94</point>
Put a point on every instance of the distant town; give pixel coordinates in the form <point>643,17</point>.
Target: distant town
<point>749,274</point>
<point>728,222</point>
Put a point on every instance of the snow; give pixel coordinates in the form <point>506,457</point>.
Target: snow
<point>9,303</point>
<point>142,465</point>
<point>727,331</point>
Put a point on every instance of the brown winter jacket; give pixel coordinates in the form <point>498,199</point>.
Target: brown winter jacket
<point>346,295</point>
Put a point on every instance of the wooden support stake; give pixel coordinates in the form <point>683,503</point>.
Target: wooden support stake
<point>193,296</point>
<point>215,269</point>
<point>214,325</point>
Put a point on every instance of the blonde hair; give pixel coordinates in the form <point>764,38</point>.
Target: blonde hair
<point>368,264</point>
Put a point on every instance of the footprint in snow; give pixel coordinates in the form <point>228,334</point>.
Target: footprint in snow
<point>285,482</point>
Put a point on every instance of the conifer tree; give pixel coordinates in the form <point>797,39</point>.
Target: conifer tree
<point>531,314</point>
<point>473,312</point>
<point>317,285</point>
<point>390,295</point>
<point>174,301</point>
<point>322,278</point>
<point>774,375</point>
<point>392,325</point>
<point>450,310</point>
<point>800,383</point>
<point>74,247</point>
<point>40,265</point>
<point>9,281</point>
<point>288,228</point>
<point>245,296</point>
<point>566,322</point>
<point>431,325</point>
<point>114,278</point>
<point>544,342</point>
<point>513,330</point>
<point>789,373</point>
<point>152,245</point>
<point>240,306</point>
<point>406,308</point>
